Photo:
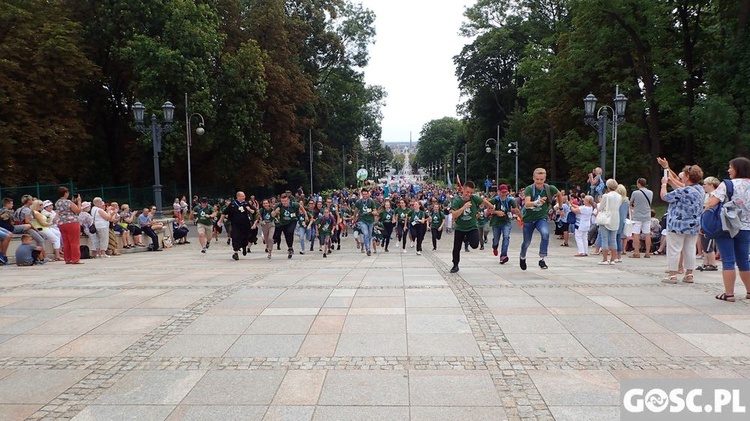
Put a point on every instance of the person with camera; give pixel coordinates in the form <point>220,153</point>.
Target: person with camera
<point>67,214</point>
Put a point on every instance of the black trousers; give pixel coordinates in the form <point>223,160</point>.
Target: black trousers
<point>458,241</point>
<point>387,233</point>
<point>436,234</point>
<point>288,231</point>
<point>154,238</point>
<point>404,235</point>
<point>417,233</point>
<point>399,230</point>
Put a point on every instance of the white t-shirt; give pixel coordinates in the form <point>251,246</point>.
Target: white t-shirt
<point>740,196</point>
<point>583,219</point>
<point>99,221</point>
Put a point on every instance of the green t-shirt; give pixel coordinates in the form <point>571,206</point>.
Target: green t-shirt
<point>386,216</point>
<point>467,221</point>
<point>325,225</point>
<point>538,212</point>
<point>265,215</point>
<point>482,219</point>
<point>364,209</point>
<point>415,217</point>
<point>202,215</point>
<point>287,214</point>
<point>402,214</point>
<point>505,206</point>
<point>377,230</point>
<point>436,218</point>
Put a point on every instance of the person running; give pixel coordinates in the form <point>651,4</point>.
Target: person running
<point>505,208</point>
<point>336,235</point>
<point>483,226</point>
<point>437,222</point>
<point>204,218</point>
<point>377,233</point>
<point>401,213</point>
<point>388,219</point>
<point>268,217</point>
<point>287,212</point>
<point>417,219</point>
<point>325,225</point>
<point>364,213</point>
<point>537,202</point>
<point>465,208</point>
<point>242,217</point>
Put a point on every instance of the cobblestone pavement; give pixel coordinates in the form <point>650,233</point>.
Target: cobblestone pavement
<point>184,335</point>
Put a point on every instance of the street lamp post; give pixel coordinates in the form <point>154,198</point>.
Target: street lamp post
<point>320,152</point>
<point>461,156</point>
<point>344,162</point>
<point>199,131</point>
<point>601,121</point>
<point>157,132</point>
<point>513,148</point>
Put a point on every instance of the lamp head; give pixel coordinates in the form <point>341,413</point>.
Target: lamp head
<point>200,130</point>
<point>488,149</point>
<point>620,102</point>
<point>138,111</point>
<point>349,162</point>
<point>320,152</point>
<point>589,105</point>
<point>168,110</point>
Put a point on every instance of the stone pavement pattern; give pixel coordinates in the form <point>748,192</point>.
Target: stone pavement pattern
<point>180,335</point>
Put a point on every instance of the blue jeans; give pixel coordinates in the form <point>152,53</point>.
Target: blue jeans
<point>366,229</point>
<point>609,238</point>
<point>503,230</point>
<point>302,232</point>
<point>735,251</point>
<point>619,236</point>
<point>540,225</point>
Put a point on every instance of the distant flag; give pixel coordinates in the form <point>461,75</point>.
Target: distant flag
<point>448,176</point>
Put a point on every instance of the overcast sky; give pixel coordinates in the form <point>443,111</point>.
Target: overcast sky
<point>412,58</point>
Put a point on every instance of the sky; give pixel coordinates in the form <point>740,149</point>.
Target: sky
<point>412,58</point>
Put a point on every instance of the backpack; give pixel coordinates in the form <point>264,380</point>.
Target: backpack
<point>711,219</point>
<point>85,252</point>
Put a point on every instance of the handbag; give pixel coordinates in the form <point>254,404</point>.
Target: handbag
<point>92,228</point>
<point>603,218</point>
<point>723,219</point>
<point>627,229</point>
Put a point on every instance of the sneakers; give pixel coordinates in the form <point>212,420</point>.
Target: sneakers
<point>203,250</point>
<point>368,252</point>
<point>324,255</point>
<point>208,244</point>
<point>302,252</point>
<point>504,260</point>
<point>419,253</point>
<point>338,247</point>
<point>244,251</point>
<point>3,259</point>
<point>229,240</point>
<point>291,253</point>
<point>412,244</point>
<point>235,256</point>
<point>604,263</point>
<point>481,248</point>
<point>404,251</point>
<point>434,248</point>
<point>454,269</point>
<point>542,264</point>
<point>494,251</point>
<point>362,250</point>
<point>523,264</point>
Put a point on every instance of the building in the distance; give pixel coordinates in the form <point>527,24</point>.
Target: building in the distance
<point>402,147</point>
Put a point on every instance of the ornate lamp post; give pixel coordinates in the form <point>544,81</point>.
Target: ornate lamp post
<point>461,156</point>
<point>199,131</point>
<point>157,132</point>
<point>345,159</point>
<point>601,121</point>
<point>513,149</point>
<point>320,152</point>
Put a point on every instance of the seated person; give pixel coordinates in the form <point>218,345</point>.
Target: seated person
<point>144,221</point>
<point>85,218</point>
<point>130,220</point>
<point>5,237</point>
<point>121,226</point>
<point>22,219</point>
<point>27,254</point>
<point>180,233</point>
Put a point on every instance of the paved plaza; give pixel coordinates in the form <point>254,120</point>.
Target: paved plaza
<point>181,335</point>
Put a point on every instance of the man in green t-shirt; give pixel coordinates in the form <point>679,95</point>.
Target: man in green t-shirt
<point>505,209</point>
<point>537,203</point>
<point>464,212</point>
<point>364,213</point>
<point>204,214</point>
<point>287,212</point>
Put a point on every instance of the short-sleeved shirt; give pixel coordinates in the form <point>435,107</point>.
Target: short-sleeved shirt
<point>377,230</point>
<point>325,225</point>
<point>685,209</point>
<point>740,196</point>
<point>502,205</point>
<point>64,214</point>
<point>288,214</point>
<point>6,219</point>
<point>386,216</point>
<point>24,254</point>
<point>364,209</point>
<point>415,217</point>
<point>22,213</point>
<point>402,214</point>
<point>436,218</point>
<point>265,215</point>
<point>467,221</point>
<point>641,200</point>
<point>202,215</point>
<point>538,212</point>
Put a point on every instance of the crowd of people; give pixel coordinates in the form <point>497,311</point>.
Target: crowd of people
<point>604,217</point>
